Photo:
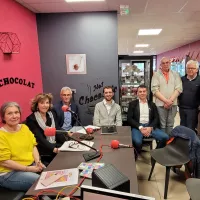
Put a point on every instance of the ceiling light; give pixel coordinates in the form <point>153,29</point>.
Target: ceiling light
<point>149,31</point>
<point>70,1</point>
<point>141,45</point>
<point>138,52</point>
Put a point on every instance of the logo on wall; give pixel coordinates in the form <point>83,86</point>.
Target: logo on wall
<point>17,81</point>
<point>95,94</point>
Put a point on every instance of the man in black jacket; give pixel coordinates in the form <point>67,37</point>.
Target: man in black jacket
<point>66,120</point>
<point>189,100</point>
<point>144,120</point>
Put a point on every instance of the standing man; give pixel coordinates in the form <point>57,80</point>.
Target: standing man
<point>166,86</point>
<point>144,120</point>
<point>189,100</point>
<point>66,120</point>
<point>107,112</point>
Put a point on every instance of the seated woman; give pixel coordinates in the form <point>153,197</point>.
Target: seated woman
<point>41,118</point>
<point>18,151</point>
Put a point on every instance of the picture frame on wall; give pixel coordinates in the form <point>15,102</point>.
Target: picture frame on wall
<point>76,63</point>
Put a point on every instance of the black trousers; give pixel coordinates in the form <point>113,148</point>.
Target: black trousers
<point>189,117</point>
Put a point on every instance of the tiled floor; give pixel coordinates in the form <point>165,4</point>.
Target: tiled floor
<point>155,188</point>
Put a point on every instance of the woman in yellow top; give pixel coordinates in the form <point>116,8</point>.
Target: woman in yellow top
<point>19,157</point>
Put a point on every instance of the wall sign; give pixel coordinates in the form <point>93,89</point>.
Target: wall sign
<point>95,93</point>
<point>16,81</point>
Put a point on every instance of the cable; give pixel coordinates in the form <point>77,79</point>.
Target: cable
<point>75,189</point>
<point>65,188</point>
<point>52,191</point>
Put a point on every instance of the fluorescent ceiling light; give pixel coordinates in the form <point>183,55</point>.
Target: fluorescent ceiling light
<point>149,31</point>
<point>138,52</point>
<point>141,45</point>
<point>82,0</point>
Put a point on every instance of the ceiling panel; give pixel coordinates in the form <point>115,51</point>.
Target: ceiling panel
<point>42,1</point>
<point>30,7</point>
<point>179,19</point>
<point>161,6</point>
<point>135,6</point>
<point>192,5</point>
<point>92,6</point>
<point>52,7</point>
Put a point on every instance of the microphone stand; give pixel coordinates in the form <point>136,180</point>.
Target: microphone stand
<point>88,137</point>
<point>87,156</point>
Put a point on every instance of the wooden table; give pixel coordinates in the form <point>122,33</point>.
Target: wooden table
<point>122,159</point>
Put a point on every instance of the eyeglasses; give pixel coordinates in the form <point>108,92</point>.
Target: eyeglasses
<point>76,145</point>
<point>191,68</point>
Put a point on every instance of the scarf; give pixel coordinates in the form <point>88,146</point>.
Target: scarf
<point>42,124</point>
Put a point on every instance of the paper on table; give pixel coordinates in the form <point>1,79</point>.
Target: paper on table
<point>70,177</point>
<point>77,129</point>
<point>75,146</point>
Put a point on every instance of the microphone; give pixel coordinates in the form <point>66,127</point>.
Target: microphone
<point>50,135</point>
<point>115,145</point>
<point>50,131</point>
<point>65,108</point>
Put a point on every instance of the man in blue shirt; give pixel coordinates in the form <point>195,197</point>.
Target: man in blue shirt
<point>66,120</point>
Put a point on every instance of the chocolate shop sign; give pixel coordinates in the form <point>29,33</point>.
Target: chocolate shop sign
<point>16,81</point>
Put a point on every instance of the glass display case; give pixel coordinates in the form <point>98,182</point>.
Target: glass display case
<point>132,74</point>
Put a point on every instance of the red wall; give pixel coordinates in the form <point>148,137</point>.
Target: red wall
<point>181,51</point>
<point>25,65</point>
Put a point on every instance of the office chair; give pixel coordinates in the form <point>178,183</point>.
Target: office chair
<point>174,154</point>
<point>193,185</point>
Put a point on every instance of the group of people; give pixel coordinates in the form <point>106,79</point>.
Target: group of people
<point>25,150</point>
<point>156,119</point>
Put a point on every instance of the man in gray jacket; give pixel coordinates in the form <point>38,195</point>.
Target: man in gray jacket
<point>107,112</point>
<point>166,86</point>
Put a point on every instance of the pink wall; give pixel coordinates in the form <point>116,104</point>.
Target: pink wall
<point>181,51</point>
<point>25,65</point>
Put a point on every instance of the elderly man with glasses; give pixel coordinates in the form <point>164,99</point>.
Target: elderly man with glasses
<point>189,100</point>
<point>166,86</point>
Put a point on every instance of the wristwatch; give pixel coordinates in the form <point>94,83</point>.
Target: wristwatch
<point>140,127</point>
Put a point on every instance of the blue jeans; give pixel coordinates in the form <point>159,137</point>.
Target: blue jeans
<point>158,134</point>
<point>17,180</point>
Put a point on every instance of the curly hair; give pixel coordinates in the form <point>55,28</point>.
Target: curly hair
<point>40,97</point>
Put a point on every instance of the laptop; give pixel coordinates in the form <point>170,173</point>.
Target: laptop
<point>90,193</point>
<point>108,130</point>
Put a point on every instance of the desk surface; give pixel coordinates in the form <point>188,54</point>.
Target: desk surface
<point>122,159</point>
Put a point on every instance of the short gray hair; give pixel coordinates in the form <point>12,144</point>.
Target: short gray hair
<point>163,58</point>
<point>5,106</point>
<point>65,88</point>
<point>193,62</point>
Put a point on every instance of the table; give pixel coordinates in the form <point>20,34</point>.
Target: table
<point>122,159</point>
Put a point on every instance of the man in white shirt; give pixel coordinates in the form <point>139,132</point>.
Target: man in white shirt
<point>107,112</point>
<point>144,120</point>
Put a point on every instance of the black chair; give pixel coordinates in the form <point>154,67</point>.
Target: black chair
<point>148,142</point>
<point>174,154</point>
<point>193,188</point>
<point>10,194</point>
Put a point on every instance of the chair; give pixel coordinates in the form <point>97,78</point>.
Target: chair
<point>148,142</point>
<point>175,153</point>
<point>193,185</point>
<point>10,194</point>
